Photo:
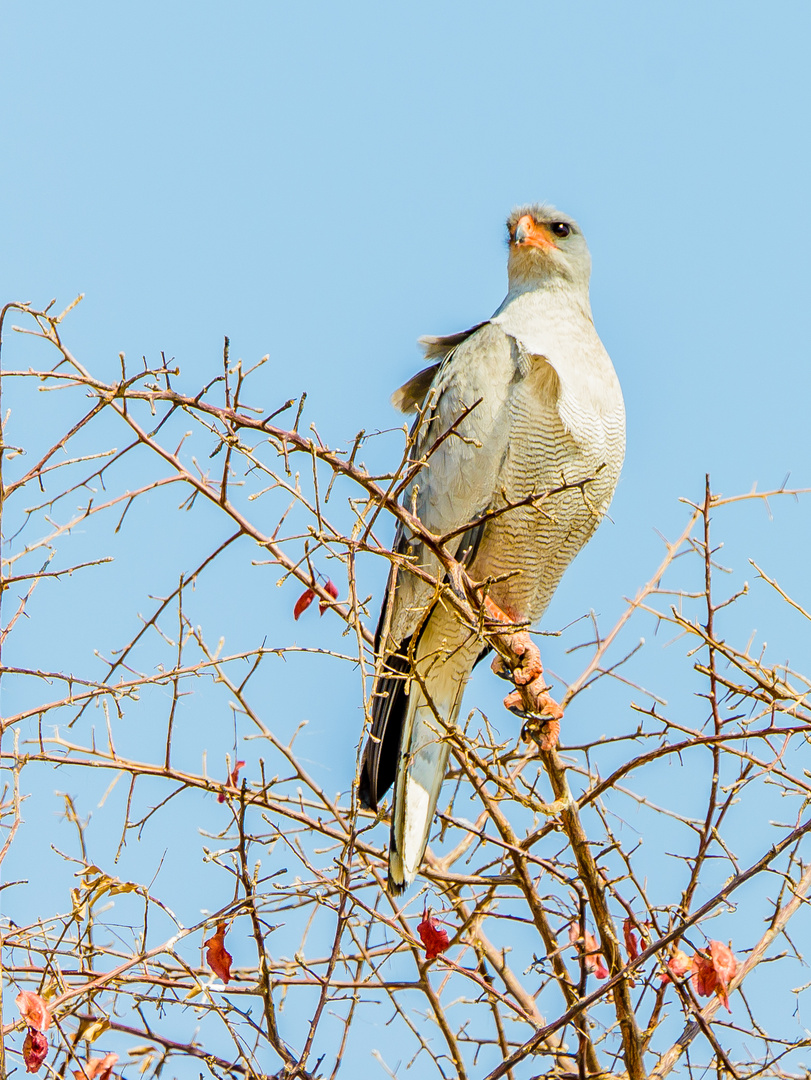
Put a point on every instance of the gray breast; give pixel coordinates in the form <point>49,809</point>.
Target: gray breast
<point>534,544</point>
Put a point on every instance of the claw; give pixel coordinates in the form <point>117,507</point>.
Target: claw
<point>544,733</point>
<point>517,709</point>
<point>500,668</point>
<point>529,655</point>
<point>533,703</point>
<point>531,667</point>
<point>540,711</point>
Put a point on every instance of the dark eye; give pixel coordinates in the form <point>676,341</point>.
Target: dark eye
<point>560,228</point>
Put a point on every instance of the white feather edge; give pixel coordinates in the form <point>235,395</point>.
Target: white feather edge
<point>423,763</point>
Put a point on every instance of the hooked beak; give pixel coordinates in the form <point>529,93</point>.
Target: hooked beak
<point>528,234</point>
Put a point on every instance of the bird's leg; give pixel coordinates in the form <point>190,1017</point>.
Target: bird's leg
<point>530,699</point>
<point>524,664</point>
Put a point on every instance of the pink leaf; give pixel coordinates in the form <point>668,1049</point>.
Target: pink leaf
<point>97,1068</point>
<point>303,603</point>
<point>631,940</point>
<point>232,781</point>
<point>595,961</point>
<point>713,973</point>
<point>33,1010</point>
<point>217,958</point>
<point>332,589</point>
<point>35,1049</point>
<point>678,964</point>
<point>433,937</point>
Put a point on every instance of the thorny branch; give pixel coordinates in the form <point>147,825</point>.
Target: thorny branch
<point>534,848</point>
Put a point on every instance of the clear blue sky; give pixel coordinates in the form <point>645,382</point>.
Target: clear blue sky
<point>326,182</point>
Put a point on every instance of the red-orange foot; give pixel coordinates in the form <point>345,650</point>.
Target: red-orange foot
<point>544,733</point>
<point>541,712</point>
<point>533,701</point>
<point>528,668</point>
<point>530,699</point>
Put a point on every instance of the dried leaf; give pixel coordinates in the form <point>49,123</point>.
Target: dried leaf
<point>433,937</point>
<point>33,1010</point>
<point>79,905</point>
<point>98,883</point>
<point>595,961</point>
<point>631,940</point>
<point>332,589</point>
<point>217,958</point>
<point>232,781</point>
<point>712,973</point>
<point>117,887</point>
<point>678,964</point>
<point>35,1049</point>
<point>97,1068</point>
<point>303,603</point>
<point>90,1028</point>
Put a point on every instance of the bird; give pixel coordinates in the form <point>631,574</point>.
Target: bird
<point>517,449</point>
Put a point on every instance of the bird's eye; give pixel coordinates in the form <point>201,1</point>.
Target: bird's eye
<point>560,228</point>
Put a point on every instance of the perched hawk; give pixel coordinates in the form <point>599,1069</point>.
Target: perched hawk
<point>541,409</point>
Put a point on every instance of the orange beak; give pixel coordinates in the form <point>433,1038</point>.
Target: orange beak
<point>528,234</point>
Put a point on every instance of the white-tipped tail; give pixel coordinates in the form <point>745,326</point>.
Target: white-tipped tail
<point>445,657</point>
<point>423,761</point>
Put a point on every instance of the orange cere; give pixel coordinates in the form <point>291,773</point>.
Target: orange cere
<point>530,234</point>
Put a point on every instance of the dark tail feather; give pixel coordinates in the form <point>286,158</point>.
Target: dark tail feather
<point>389,702</point>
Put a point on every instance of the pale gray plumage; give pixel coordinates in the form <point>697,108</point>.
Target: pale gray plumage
<point>548,411</point>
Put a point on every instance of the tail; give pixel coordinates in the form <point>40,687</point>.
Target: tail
<point>446,655</point>
<point>423,760</point>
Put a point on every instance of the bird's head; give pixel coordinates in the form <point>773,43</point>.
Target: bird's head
<point>544,244</point>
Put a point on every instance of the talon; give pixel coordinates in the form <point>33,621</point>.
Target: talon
<point>500,668</point>
<point>529,665</point>
<point>524,675</point>
<point>518,710</point>
<point>531,668</point>
<point>546,706</point>
<point>530,698</point>
<point>515,703</point>
<point>544,734</point>
<point>533,703</point>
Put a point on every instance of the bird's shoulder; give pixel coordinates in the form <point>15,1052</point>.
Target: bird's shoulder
<point>456,356</point>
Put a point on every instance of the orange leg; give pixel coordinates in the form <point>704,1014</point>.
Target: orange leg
<point>530,699</point>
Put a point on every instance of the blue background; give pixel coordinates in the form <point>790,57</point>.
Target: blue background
<point>324,183</point>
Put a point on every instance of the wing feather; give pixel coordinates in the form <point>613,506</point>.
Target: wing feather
<point>457,485</point>
<point>460,477</point>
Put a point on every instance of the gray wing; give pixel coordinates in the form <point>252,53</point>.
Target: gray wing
<point>457,484</point>
<point>460,477</point>
<point>412,394</point>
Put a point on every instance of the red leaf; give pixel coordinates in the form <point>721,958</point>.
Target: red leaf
<point>595,961</point>
<point>713,973</point>
<point>599,969</point>
<point>35,1049</point>
<point>303,603</point>
<point>217,958</point>
<point>333,591</point>
<point>33,1010</point>
<point>433,937</point>
<point>97,1068</point>
<point>678,964</point>
<point>631,940</point>
<point>233,779</point>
